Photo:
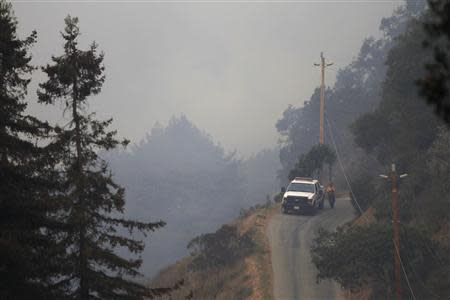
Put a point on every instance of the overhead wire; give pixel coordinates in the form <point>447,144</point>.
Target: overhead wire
<point>427,247</point>
<point>419,280</point>
<point>437,256</point>
<point>432,252</point>
<point>359,207</point>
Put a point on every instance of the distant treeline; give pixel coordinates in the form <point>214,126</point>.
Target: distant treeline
<point>179,174</point>
<point>358,89</point>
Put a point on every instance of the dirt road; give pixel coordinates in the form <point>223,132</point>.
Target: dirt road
<point>290,239</point>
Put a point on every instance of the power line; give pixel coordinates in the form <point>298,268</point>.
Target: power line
<point>340,140</point>
<point>418,277</point>
<point>419,211</point>
<point>342,168</point>
<point>360,209</point>
<point>434,254</point>
<point>404,271</point>
<point>395,230</point>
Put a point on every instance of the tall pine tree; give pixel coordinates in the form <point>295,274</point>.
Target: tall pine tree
<point>435,85</point>
<point>93,202</point>
<point>28,265</point>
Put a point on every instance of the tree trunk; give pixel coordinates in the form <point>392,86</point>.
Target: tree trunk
<point>84,288</point>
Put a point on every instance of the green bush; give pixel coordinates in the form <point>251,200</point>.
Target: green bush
<point>313,161</point>
<point>224,247</point>
<point>358,255</point>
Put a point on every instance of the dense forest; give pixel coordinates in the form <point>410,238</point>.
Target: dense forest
<point>357,90</point>
<point>392,124</point>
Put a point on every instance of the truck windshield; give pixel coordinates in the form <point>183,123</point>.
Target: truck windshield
<point>301,187</point>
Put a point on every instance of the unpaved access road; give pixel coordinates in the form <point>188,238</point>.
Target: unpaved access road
<point>290,239</point>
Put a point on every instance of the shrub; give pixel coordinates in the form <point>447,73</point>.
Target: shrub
<point>224,247</point>
<point>358,255</point>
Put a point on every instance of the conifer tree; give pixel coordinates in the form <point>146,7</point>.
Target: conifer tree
<point>28,268</point>
<point>435,85</point>
<point>93,202</point>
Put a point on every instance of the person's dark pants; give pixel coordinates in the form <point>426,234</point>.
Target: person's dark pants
<point>331,199</point>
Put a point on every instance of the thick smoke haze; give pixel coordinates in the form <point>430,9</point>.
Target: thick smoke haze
<point>180,175</point>
<point>231,68</point>
<point>228,69</point>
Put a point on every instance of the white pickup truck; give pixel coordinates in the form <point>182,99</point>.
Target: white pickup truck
<point>303,195</point>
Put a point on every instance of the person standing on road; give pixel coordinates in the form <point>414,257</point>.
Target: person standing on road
<point>330,190</point>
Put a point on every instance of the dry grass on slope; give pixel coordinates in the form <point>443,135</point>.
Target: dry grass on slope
<point>248,278</point>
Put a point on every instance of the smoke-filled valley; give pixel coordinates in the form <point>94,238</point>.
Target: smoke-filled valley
<point>179,174</point>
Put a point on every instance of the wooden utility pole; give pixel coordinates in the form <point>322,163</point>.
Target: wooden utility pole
<point>322,65</point>
<point>395,231</point>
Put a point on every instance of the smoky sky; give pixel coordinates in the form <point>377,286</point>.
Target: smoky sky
<point>231,68</point>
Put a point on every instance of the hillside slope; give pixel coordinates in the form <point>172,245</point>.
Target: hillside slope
<point>232,263</point>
